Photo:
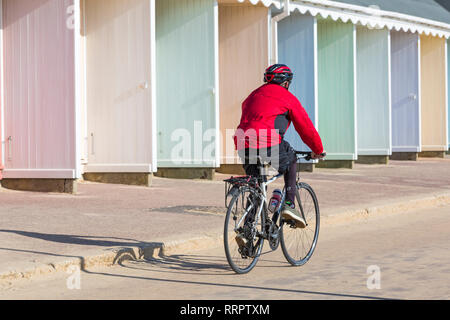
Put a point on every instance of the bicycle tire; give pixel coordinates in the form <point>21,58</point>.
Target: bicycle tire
<point>313,221</point>
<point>229,239</point>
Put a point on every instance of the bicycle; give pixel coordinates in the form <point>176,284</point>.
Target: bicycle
<point>248,216</point>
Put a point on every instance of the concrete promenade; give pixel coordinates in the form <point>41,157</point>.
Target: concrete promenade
<point>42,233</point>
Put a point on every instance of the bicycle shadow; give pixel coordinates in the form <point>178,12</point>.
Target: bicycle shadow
<point>184,263</point>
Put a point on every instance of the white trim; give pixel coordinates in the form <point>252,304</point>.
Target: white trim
<point>355,91</point>
<point>267,3</point>
<point>273,45</point>
<point>405,149</point>
<point>434,148</point>
<point>341,156</point>
<point>216,90</point>
<point>419,55</point>
<point>39,174</point>
<point>153,93</point>
<point>85,140</point>
<point>118,168</point>
<point>78,86</point>
<point>446,94</point>
<point>371,17</point>
<point>365,16</point>
<point>274,41</point>
<point>2,90</point>
<point>187,163</point>
<point>316,75</point>
<point>274,30</point>
<point>374,152</point>
<point>232,160</point>
<point>390,90</point>
<point>376,13</point>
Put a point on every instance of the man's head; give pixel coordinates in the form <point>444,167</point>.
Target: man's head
<point>279,74</point>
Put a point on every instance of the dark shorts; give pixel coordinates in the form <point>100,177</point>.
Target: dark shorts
<point>281,157</point>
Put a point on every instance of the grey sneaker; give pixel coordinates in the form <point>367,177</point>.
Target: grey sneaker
<point>289,213</point>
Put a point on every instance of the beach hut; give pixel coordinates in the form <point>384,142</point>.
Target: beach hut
<point>336,43</point>
<point>297,47</point>
<point>433,57</point>
<point>406,120</point>
<point>187,88</point>
<point>373,92</point>
<point>243,57</point>
<point>448,92</point>
<point>39,94</point>
<point>119,127</point>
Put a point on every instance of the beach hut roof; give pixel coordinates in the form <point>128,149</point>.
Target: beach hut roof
<point>436,10</point>
<point>429,17</point>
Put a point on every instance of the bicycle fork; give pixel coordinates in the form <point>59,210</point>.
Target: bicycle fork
<point>297,195</point>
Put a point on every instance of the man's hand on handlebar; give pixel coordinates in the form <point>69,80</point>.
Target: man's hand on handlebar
<point>318,156</point>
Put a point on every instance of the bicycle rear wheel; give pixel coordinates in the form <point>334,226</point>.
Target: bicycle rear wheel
<point>298,245</point>
<point>242,259</point>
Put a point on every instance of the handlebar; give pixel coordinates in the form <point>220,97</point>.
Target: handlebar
<point>307,155</point>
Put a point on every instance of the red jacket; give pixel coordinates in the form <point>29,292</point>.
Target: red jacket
<point>267,114</point>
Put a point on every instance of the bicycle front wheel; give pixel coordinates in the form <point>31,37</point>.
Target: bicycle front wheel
<point>241,221</point>
<point>298,244</point>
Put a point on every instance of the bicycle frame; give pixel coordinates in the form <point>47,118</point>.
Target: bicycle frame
<point>263,200</point>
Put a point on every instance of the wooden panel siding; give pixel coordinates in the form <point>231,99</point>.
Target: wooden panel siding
<point>434,124</point>
<point>336,72</point>
<point>374,110</point>
<point>242,63</point>
<point>186,101</point>
<point>39,88</point>
<point>119,97</point>
<point>405,92</point>
<point>296,48</point>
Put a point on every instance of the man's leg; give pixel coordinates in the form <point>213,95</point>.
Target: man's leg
<point>288,165</point>
<point>290,180</point>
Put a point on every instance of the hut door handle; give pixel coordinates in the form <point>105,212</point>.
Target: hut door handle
<point>144,85</point>
<point>92,144</point>
<point>9,148</point>
<point>413,96</point>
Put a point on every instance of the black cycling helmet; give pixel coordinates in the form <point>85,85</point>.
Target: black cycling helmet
<point>278,74</point>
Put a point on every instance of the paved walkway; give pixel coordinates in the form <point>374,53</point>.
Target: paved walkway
<point>412,262</point>
<point>38,229</point>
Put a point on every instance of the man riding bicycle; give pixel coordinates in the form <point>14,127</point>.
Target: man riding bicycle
<point>266,116</point>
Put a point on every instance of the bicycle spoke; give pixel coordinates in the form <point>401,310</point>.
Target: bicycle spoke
<point>243,258</point>
<point>298,244</point>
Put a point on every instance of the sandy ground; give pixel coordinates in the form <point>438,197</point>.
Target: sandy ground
<point>410,250</point>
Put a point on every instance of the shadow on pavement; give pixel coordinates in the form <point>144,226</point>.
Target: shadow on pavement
<point>78,240</point>
<point>180,264</point>
<point>214,266</point>
<point>125,248</point>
